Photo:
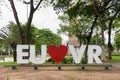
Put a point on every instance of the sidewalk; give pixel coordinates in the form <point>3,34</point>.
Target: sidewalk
<point>116,64</point>
<point>7,60</point>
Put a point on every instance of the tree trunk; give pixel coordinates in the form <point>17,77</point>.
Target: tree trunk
<point>14,45</point>
<point>103,56</point>
<point>92,27</point>
<point>110,48</point>
<point>16,19</point>
<point>102,33</point>
<point>14,55</point>
<point>23,39</point>
<point>89,36</point>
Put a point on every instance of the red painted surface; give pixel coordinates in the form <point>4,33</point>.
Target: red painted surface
<point>57,53</point>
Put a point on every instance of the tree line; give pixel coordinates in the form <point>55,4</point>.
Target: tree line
<point>81,18</point>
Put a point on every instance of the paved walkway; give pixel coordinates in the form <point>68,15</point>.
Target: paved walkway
<point>116,64</point>
<point>7,60</point>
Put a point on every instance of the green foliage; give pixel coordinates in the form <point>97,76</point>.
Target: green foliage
<point>116,22</point>
<point>96,40</point>
<point>79,18</point>
<point>3,47</point>
<point>117,41</point>
<point>79,27</point>
<point>66,60</point>
<point>84,60</point>
<point>115,58</point>
<point>86,15</point>
<point>13,32</point>
<point>34,6</point>
<point>30,63</point>
<point>44,37</point>
<point>36,36</point>
<point>8,63</point>
<point>61,5</point>
<point>81,8</point>
<point>5,39</point>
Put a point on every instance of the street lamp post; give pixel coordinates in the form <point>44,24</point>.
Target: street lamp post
<point>27,3</point>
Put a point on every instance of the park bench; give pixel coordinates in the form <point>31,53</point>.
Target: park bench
<point>2,58</point>
<point>82,66</point>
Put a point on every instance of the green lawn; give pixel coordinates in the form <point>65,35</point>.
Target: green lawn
<point>115,58</point>
<point>7,63</point>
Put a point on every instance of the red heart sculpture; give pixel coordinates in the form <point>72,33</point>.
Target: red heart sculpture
<point>57,53</point>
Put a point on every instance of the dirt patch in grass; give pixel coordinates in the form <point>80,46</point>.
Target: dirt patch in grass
<point>52,73</point>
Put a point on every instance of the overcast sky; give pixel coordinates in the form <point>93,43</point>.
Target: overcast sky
<point>43,18</point>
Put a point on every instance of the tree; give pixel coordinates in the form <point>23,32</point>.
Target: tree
<point>113,15</point>
<point>77,27</point>
<point>81,18</point>
<point>107,11</point>
<point>44,37</point>
<point>96,40</point>
<point>34,5</point>
<point>37,36</point>
<point>10,37</point>
<point>98,10</point>
<point>117,42</point>
<point>5,39</point>
<point>24,36</point>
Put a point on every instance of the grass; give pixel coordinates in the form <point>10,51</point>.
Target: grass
<point>7,63</point>
<point>115,58</point>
